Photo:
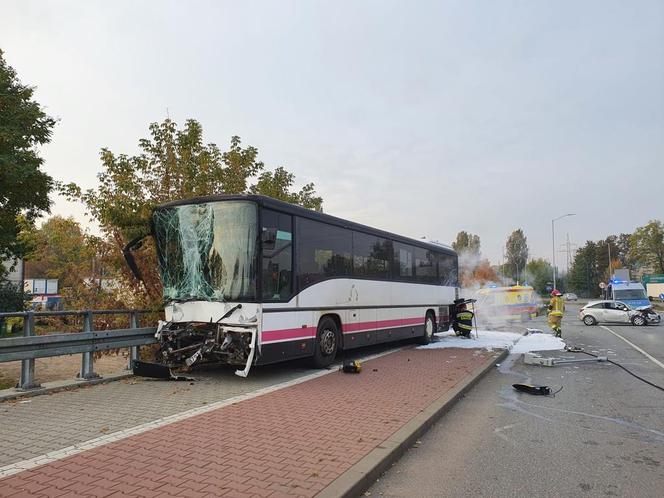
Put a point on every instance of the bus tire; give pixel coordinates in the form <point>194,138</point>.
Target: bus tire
<point>429,329</point>
<point>327,342</point>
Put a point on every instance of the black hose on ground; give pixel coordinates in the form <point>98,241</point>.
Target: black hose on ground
<point>579,350</point>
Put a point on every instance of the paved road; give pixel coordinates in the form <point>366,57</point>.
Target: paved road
<point>603,435</point>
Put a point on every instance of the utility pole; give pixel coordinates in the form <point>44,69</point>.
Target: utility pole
<point>610,268</point>
<point>568,249</point>
<point>517,272</point>
<point>502,269</point>
<point>553,243</point>
<point>567,269</point>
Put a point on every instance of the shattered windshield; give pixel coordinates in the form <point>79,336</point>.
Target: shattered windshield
<point>208,251</point>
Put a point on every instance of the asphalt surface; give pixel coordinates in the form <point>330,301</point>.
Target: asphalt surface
<point>602,435</point>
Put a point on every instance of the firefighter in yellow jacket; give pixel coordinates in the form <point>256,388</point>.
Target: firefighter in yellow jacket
<point>556,310</point>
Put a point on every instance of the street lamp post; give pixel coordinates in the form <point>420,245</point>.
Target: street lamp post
<point>553,243</point>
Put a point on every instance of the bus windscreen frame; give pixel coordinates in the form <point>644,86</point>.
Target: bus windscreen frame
<point>208,251</point>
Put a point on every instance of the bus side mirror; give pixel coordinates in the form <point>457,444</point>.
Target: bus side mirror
<point>129,257</point>
<point>269,238</point>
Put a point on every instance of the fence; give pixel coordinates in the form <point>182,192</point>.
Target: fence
<point>30,346</point>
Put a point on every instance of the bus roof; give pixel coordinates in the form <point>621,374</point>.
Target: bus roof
<point>293,209</point>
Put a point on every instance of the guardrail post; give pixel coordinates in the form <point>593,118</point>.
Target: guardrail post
<point>87,362</point>
<point>28,366</point>
<point>134,350</point>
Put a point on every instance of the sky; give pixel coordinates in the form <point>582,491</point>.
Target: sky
<point>422,118</point>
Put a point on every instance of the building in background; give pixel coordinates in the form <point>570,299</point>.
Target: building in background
<point>15,269</point>
<point>654,285</point>
<point>44,293</point>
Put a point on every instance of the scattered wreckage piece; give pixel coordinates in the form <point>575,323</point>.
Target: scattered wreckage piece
<point>538,359</point>
<point>155,371</point>
<point>531,389</point>
<point>352,366</point>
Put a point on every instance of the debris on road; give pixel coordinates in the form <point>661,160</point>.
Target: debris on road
<point>352,366</point>
<point>156,371</point>
<point>535,390</point>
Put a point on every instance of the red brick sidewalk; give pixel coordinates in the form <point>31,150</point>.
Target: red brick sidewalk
<point>294,441</point>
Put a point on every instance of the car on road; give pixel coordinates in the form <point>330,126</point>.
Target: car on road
<point>617,312</point>
<point>570,296</point>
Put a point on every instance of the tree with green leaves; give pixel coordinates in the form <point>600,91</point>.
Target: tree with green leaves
<point>24,187</point>
<point>174,164</point>
<point>12,297</point>
<point>516,254</point>
<point>587,271</point>
<point>647,245</point>
<point>278,184</point>
<point>538,274</point>
<point>467,243</point>
<point>60,249</point>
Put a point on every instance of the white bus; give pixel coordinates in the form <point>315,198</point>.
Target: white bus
<point>249,280</point>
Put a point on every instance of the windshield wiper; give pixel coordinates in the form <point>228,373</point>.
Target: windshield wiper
<point>185,299</point>
<point>230,312</point>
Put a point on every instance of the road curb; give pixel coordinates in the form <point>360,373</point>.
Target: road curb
<point>60,385</point>
<point>364,473</point>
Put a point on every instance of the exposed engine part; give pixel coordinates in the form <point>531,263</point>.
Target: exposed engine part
<point>191,343</point>
<point>228,340</point>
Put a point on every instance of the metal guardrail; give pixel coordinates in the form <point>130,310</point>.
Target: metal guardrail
<point>30,346</point>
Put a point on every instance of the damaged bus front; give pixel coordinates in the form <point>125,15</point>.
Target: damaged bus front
<point>208,253</point>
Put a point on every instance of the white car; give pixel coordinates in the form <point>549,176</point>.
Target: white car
<point>570,296</point>
<point>617,312</point>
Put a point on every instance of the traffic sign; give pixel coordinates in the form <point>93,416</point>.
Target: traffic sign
<point>602,285</point>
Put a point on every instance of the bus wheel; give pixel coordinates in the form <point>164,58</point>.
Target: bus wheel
<point>429,329</point>
<point>327,342</point>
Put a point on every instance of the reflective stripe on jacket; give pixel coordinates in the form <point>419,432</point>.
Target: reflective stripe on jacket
<point>465,320</point>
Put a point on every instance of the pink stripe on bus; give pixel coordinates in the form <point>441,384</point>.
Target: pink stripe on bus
<point>309,332</point>
<point>280,335</point>
<point>382,324</point>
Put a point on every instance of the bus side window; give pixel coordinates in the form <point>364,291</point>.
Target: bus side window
<point>404,262</point>
<point>425,266</point>
<point>277,256</point>
<point>447,270</point>
<point>323,251</point>
<point>371,256</point>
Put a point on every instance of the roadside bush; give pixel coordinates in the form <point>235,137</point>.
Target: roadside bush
<point>12,298</point>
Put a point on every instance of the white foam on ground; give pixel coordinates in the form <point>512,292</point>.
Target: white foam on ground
<point>492,339</point>
<point>538,342</point>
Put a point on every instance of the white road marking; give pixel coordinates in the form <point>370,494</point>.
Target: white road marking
<point>650,357</point>
<point>53,456</point>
